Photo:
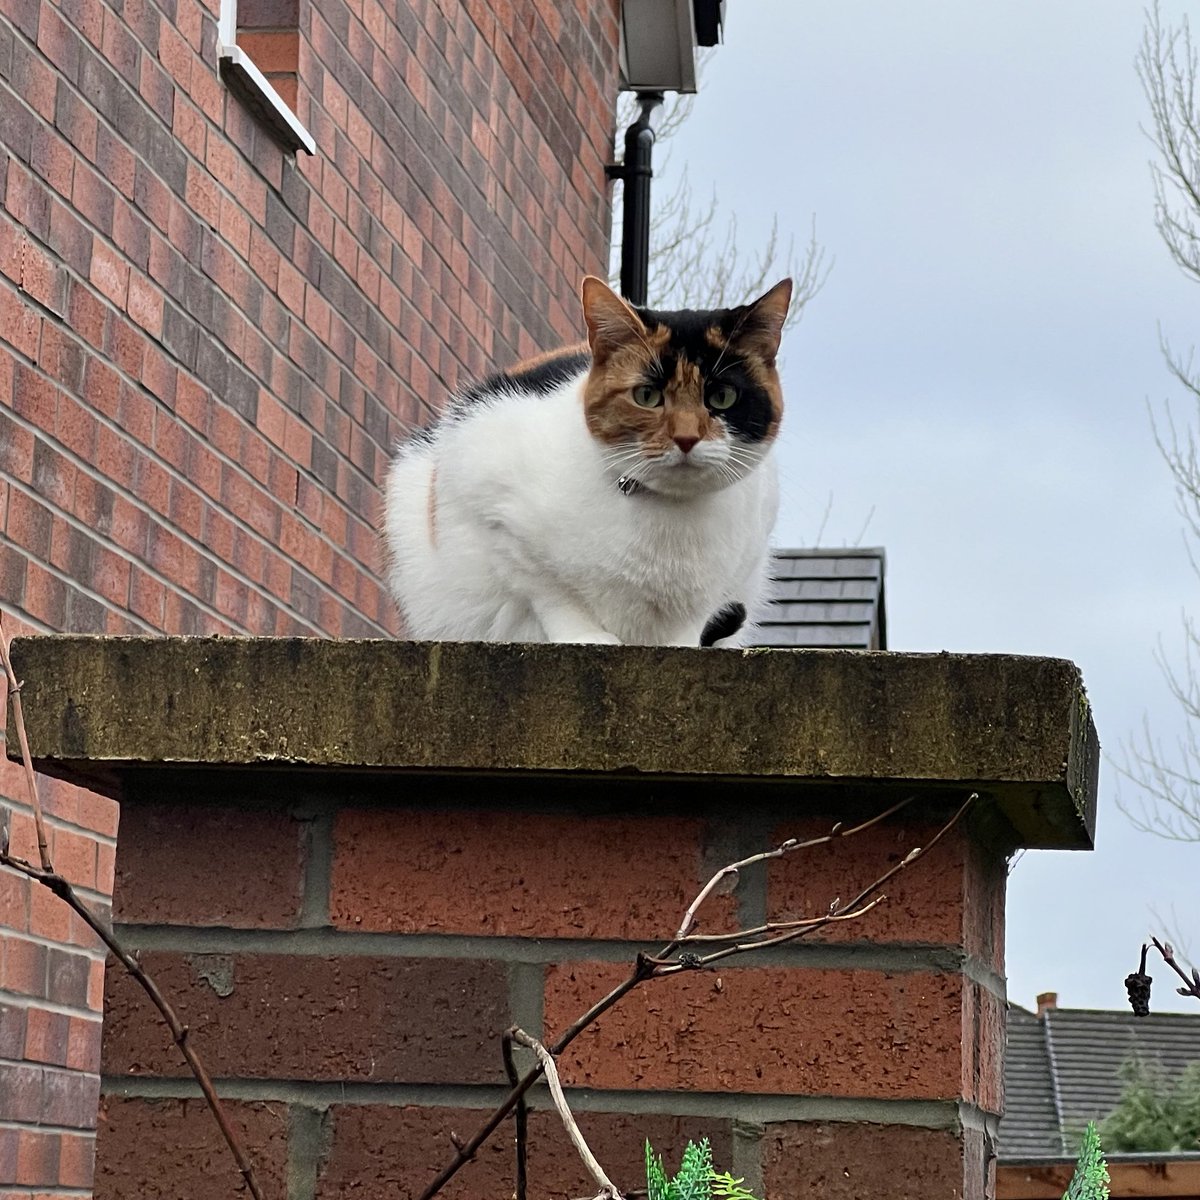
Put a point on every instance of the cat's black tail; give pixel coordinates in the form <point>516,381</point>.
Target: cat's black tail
<point>723,624</point>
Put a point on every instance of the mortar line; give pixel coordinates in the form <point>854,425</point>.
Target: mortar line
<point>750,1108</point>
<point>317,896</point>
<point>324,941</point>
<point>304,1151</point>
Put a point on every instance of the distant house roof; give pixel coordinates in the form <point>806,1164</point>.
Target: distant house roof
<point>827,599</point>
<point>1063,1069</point>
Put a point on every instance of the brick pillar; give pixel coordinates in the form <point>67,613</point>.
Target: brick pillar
<point>491,834</point>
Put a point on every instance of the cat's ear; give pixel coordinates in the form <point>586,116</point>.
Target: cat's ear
<point>611,323</point>
<point>760,325</point>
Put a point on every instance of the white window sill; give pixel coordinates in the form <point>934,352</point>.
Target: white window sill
<point>263,100</point>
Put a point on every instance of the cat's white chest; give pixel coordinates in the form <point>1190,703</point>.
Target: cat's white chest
<point>509,527</point>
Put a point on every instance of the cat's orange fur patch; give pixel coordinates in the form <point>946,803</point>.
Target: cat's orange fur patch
<point>612,416</point>
<point>546,358</point>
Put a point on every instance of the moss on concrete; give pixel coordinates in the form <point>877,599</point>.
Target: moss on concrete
<point>1018,728</point>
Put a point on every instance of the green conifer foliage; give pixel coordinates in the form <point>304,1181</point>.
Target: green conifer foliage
<point>696,1179</point>
<point>1156,1113</point>
<point>1090,1181</point>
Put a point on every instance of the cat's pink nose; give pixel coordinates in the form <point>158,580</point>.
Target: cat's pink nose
<point>686,443</point>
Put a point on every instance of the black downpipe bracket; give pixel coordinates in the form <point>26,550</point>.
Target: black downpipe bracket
<point>636,172</point>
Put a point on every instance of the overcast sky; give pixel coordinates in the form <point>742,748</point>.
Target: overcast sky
<point>972,384</point>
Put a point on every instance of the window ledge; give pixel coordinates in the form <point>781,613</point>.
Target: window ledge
<point>263,100</point>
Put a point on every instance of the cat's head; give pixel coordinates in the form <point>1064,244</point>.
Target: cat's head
<point>683,402</point>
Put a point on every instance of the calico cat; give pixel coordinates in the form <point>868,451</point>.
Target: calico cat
<point>619,491</point>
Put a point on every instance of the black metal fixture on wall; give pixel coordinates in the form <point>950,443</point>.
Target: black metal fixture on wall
<point>635,172</point>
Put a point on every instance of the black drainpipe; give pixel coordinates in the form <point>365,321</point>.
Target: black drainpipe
<point>636,172</point>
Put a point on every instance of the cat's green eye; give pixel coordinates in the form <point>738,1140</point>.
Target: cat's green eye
<point>723,397</point>
<point>645,396</point>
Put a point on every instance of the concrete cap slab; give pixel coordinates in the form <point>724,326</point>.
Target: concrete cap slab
<point>1018,729</point>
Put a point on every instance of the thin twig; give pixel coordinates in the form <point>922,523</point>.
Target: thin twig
<point>788,847</point>
<point>1191,982</point>
<point>773,927</point>
<point>522,1114</point>
<point>61,887</point>
<point>839,912</point>
<point>607,1187</point>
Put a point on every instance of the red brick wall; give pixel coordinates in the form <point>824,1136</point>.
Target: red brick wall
<point>207,347</point>
<point>351,962</point>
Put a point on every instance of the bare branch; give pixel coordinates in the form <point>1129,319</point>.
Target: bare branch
<point>61,887</point>
<point>18,714</point>
<point>1191,983</point>
<point>1167,65</point>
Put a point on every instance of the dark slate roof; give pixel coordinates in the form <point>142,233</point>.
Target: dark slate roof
<point>826,599</point>
<point>1030,1125</point>
<point>1064,1069</point>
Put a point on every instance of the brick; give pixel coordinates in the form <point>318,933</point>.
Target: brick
<point>636,880</point>
<point>256,882</point>
<point>990,1017</point>
<point>67,978</point>
<point>173,1148</point>
<point>12,1031</point>
<point>20,1092</point>
<point>146,304</point>
<point>23,966</point>
<point>925,902</point>
<point>49,916</point>
<point>109,273</point>
<point>9,1142</point>
<point>75,857</point>
<point>37,1158</point>
<point>775,1030</point>
<point>274,1017</point>
<point>28,524</point>
<point>33,396</point>
<point>69,1099</point>
<point>47,1036</point>
<point>273,51</point>
<point>264,14</point>
<point>15,891</point>
<point>983,915</point>
<point>849,1161</point>
<point>77,1158</point>
<point>83,1044</point>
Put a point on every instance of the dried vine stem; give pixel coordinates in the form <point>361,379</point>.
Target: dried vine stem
<point>522,1114</point>
<point>1191,983</point>
<point>607,1187</point>
<point>658,967</point>
<point>61,887</point>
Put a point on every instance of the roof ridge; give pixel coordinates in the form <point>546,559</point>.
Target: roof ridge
<point>1055,1091</point>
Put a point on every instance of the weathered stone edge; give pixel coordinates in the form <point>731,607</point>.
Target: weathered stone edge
<point>1017,727</point>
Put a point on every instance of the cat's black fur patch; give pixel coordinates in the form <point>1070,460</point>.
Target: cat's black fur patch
<point>724,624</point>
<point>751,417</point>
<point>541,378</point>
